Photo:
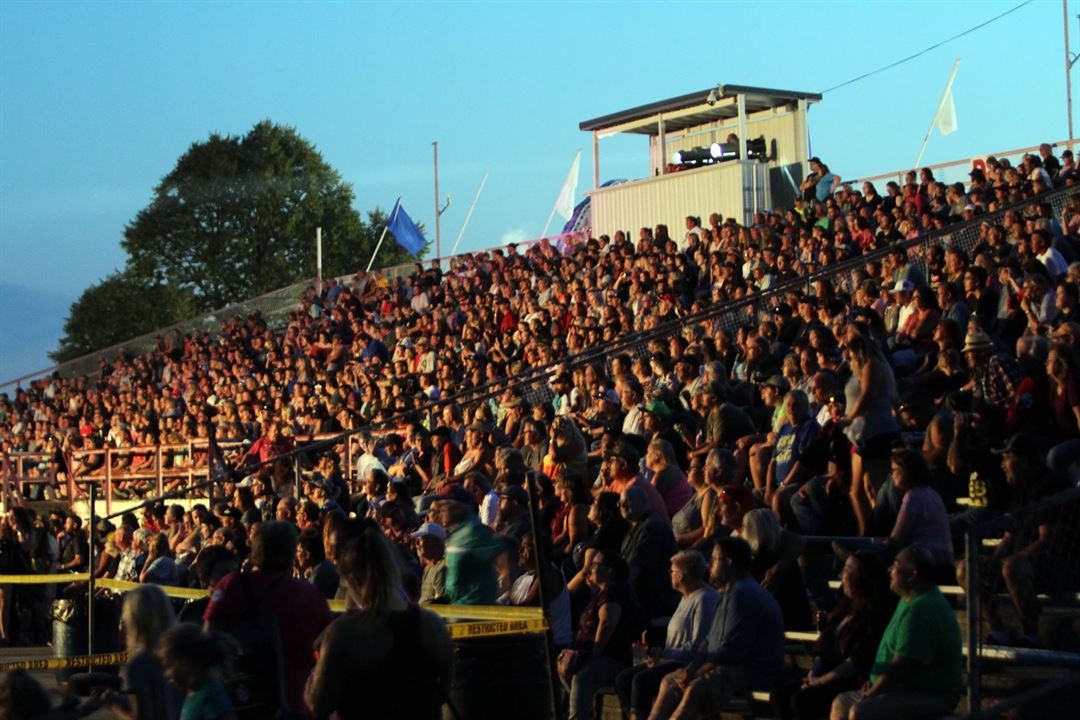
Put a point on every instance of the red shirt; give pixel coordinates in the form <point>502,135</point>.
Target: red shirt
<point>302,614</point>
<point>1062,404</point>
<point>264,449</point>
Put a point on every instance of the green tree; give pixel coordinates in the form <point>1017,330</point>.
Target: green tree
<point>235,218</point>
<point>120,307</point>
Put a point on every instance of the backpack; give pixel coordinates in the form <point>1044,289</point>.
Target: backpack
<point>256,680</point>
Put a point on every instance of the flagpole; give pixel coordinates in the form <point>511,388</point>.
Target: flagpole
<point>550,218</point>
<point>468,215</point>
<point>1069,60</point>
<point>383,236</point>
<point>438,232</point>
<point>575,169</point>
<point>933,120</point>
<point>318,260</point>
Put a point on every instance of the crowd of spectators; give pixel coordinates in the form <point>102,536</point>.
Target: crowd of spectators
<point>673,487</point>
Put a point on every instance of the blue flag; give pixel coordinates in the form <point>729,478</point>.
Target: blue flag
<point>405,231</point>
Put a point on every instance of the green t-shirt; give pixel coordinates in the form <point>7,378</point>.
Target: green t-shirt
<point>207,703</point>
<point>924,630</point>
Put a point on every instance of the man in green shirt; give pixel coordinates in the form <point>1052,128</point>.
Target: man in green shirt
<point>917,672</point>
<point>470,549</point>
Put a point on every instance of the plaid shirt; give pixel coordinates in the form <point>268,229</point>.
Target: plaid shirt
<point>996,381</point>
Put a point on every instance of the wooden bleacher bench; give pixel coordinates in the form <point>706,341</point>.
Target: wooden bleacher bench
<point>756,705</point>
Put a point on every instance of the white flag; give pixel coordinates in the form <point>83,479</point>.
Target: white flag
<point>565,204</point>
<point>945,119</point>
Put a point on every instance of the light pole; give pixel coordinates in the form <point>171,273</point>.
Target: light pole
<point>1070,59</point>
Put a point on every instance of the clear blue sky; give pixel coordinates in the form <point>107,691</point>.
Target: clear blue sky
<point>98,100</point>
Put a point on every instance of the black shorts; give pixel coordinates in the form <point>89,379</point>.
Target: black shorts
<point>878,447</point>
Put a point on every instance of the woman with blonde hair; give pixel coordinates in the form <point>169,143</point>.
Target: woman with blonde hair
<point>146,615</point>
<point>390,658</point>
<point>774,563</point>
<point>567,448</point>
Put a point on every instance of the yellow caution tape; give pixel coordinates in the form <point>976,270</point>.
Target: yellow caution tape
<point>170,590</point>
<point>470,612</point>
<point>492,628</point>
<point>43,579</point>
<point>487,612</point>
<point>504,613</point>
<point>80,661</point>
<point>458,631</point>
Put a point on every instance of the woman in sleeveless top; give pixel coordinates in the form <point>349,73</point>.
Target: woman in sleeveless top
<point>871,425</point>
<point>389,659</point>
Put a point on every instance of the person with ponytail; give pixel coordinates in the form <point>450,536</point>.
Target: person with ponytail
<point>387,658</point>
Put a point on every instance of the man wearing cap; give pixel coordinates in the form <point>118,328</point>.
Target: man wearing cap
<point>513,518</point>
<point>74,549</point>
<point>608,413</point>
<point>902,307</point>
<point>430,543</point>
<point>995,375</point>
<point>471,549</point>
<point>725,422</point>
<point>659,423</point>
<point>904,269</point>
<point>647,549</point>
<point>1030,553</point>
<point>820,183</point>
<point>754,451</point>
<point>620,470</point>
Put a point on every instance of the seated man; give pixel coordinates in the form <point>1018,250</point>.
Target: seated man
<point>917,671</point>
<point>1026,560</point>
<point>647,548</point>
<point>745,650</point>
<point>788,469</point>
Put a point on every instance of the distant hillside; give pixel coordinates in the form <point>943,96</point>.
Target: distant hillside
<point>31,322</point>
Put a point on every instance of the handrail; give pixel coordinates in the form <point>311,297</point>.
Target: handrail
<point>956,163</point>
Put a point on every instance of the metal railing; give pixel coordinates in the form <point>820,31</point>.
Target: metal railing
<point>957,170</point>
<point>984,581</point>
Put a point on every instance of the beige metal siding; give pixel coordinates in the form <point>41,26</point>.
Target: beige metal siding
<point>668,200</point>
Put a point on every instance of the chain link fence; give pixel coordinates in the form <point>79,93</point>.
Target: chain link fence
<point>534,387</point>
<point>1022,576</point>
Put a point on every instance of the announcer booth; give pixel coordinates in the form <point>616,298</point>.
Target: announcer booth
<point>729,149</point>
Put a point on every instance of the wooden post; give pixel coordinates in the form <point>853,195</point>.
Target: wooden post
<point>108,483</point>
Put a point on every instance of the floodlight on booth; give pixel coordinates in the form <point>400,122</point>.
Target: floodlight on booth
<point>694,156</point>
